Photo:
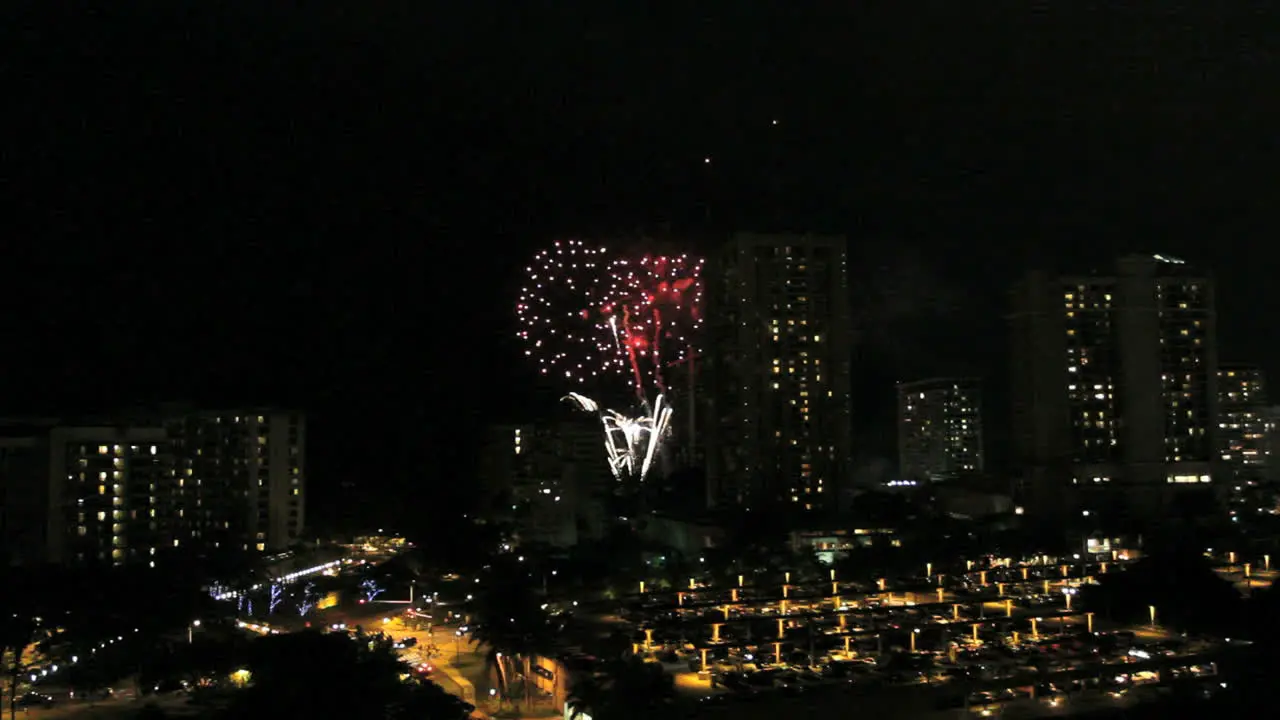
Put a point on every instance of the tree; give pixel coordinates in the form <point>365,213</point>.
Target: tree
<point>587,696</point>
<point>307,599</point>
<point>430,701</point>
<point>275,596</point>
<point>283,673</point>
<point>30,603</point>
<point>625,689</point>
<point>17,632</point>
<point>1175,580</point>
<point>509,621</point>
<point>370,588</point>
<point>224,569</point>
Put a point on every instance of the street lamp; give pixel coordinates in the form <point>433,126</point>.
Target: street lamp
<point>190,637</point>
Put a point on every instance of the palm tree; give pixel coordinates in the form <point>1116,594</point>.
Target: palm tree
<point>509,621</point>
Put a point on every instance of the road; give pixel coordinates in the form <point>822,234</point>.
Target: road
<point>124,704</point>
<point>459,664</point>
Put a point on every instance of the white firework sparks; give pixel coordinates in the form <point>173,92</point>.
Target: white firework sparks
<point>630,443</point>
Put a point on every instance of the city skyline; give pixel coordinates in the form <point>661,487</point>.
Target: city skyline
<point>345,246</point>
<point>609,360</point>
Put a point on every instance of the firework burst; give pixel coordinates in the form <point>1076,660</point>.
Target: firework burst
<point>561,284</point>
<point>652,310</point>
<point>586,315</point>
<point>630,443</point>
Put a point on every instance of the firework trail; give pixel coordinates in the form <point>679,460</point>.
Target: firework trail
<point>587,315</point>
<point>630,443</point>
<point>655,306</point>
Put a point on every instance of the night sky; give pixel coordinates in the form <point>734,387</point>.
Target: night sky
<point>328,207</point>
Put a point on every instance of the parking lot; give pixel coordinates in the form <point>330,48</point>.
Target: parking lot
<point>995,639</point>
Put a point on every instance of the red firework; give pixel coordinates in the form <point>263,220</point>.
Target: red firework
<point>653,313</point>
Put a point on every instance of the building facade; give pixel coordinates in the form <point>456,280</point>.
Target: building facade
<point>550,480</point>
<point>113,493</point>
<point>1115,387</point>
<point>779,349</point>
<point>1243,420</point>
<point>940,429</point>
<point>243,475</point>
<point>1271,448</point>
<point>24,497</point>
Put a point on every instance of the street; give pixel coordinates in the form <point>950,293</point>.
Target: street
<point>459,664</point>
<point>124,703</point>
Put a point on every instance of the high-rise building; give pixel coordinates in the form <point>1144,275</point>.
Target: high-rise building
<point>939,429</point>
<point>117,492</point>
<point>1115,386</point>
<point>548,479</point>
<point>1271,447</point>
<point>1242,420</point>
<point>114,495</point>
<point>779,349</point>
<point>243,475</point>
